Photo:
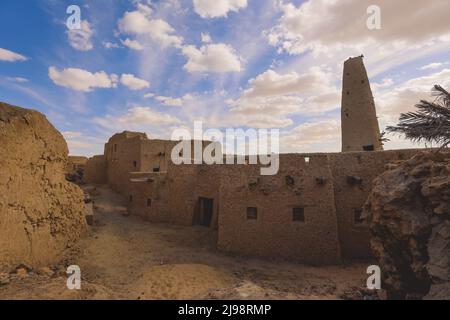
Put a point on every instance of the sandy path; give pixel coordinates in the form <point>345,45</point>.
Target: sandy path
<point>123,257</point>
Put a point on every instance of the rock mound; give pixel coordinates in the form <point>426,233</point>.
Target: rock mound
<point>409,215</point>
<point>40,212</point>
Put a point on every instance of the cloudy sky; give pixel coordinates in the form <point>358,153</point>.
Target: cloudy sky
<point>154,66</point>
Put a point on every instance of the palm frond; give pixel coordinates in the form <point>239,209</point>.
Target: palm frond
<point>430,122</point>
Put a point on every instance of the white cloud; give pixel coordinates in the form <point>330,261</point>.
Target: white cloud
<point>110,45</point>
<point>132,44</point>
<point>212,58</point>
<point>270,83</point>
<point>133,82</point>
<point>431,66</point>
<point>137,118</point>
<point>10,56</point>
<point>168,101</point>
<point>218,8</point>
<point>80,39</point>
<point>140,23</point>
<point>174,102</point>
<point>319,136</point>
<point>149,95</point>
<point>17,79</point>
<point>275,94</point>
<point>206,37</point>
<point>403,97</point>
<point>323,25</point>
<point>71,134</point>
<point>81,80</point>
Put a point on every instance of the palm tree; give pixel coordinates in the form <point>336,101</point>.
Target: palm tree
<point>430,123</point>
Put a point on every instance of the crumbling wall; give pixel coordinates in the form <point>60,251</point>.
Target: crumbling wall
<point>75,168</point>
<point>274,233</point>
<point>40,212</point>
<point>95,170</point>
<point>409,214</point>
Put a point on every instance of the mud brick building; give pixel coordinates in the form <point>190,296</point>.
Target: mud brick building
<point>310,211</point>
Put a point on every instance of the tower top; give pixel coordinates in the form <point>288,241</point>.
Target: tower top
<point>359,122</point>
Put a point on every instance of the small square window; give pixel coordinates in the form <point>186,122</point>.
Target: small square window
<point>298,214</point>
<point>358,218</point>
<point>149,202</point>
<point>156,169</point>
<point>252,213</point>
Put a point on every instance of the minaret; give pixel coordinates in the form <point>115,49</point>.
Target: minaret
<point>359,123</point>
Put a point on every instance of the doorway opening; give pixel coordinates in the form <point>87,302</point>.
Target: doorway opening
<point>204,212</point>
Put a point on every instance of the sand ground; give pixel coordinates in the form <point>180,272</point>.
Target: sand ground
<point>123,257</point>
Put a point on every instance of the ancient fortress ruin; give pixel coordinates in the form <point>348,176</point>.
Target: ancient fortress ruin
<point>41,213</point>
<point>310,211</point>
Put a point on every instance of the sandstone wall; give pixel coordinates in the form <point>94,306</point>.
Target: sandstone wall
<point>353,173</point>
<point>123,155</point>
<point>275,233</point>
<point>40,212</point>
<point>95,170</point>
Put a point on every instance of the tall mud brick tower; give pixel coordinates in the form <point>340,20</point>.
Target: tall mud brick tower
<point>359,123</point>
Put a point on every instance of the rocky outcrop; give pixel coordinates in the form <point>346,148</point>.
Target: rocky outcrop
<point>409,216</point>
<point>40,212</point>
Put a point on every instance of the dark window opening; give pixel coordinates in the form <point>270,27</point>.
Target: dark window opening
<point>204,212</point>
<point>252,213</point>
<point>149,202</point>
<point>115,148</point>
<point>156,169</point>
<point>369,148</point>
<point>348,92</point>
<point>131,198</point>
<point>135,164</point>
<point>290,181</point>
<point>298,214</point>
<point>362,81</point>
<point>358,218</point>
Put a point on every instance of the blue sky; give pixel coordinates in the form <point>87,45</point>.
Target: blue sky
<point>157,65</point>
